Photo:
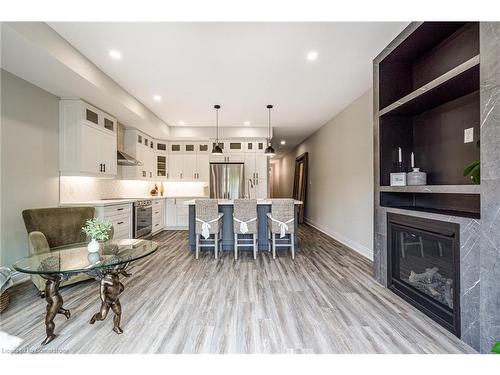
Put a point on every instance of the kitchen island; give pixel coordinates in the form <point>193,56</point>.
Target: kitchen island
<point>226,207</point>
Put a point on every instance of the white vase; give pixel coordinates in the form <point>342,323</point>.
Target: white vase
<point>93,246</point>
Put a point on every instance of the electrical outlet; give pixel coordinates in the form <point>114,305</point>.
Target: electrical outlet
<point>468,135</point>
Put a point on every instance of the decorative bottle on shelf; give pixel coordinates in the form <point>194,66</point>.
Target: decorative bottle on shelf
<point>162,189</point>
<point>416,178</point>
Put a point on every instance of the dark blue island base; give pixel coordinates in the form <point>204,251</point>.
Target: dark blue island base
<point>227,228</point>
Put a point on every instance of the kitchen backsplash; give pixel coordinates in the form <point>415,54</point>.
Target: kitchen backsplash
<point>81,189</point>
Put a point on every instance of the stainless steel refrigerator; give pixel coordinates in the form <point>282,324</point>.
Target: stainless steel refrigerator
<point>227,180</point>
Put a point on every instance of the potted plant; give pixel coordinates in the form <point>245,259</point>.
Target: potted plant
<point>496,348</point>
<point>98,230</point>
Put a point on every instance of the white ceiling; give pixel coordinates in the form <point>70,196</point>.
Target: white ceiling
<point>241,66</point>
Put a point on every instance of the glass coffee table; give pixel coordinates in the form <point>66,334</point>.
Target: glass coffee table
<point>106,265</point>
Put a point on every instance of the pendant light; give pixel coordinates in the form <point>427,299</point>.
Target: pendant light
<point>269,150</point>
<point>216,149</point>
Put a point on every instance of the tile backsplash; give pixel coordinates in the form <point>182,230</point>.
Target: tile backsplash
<point>81,189</point>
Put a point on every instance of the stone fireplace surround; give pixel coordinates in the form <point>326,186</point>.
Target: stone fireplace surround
<point>479,238</point>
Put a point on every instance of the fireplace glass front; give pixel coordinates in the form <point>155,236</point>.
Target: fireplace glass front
<point>423,259</point>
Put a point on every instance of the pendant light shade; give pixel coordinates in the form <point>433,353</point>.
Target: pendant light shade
<point>269,150</point>
<point>217,149</point>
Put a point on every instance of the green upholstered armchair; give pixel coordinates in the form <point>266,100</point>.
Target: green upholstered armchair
<point>53,227</point>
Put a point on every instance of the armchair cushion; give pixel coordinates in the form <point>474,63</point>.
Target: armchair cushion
<point>38,243</point>
<point>60,225</point>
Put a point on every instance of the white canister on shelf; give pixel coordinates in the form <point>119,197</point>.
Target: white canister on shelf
<point>416,178</point>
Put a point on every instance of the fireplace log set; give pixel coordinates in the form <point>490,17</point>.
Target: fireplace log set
<point>434,284</point>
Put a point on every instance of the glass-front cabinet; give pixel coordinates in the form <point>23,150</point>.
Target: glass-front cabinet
<point>161,146</point>
<point>203,147</point>
<point>175,147</point>
<point>189,147</point>
<point>161,166</point>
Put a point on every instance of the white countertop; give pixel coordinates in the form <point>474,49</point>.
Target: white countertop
<point>230,201</point>
<point>111,202</point>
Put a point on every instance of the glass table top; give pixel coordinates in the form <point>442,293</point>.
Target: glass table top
<point>75,258</point>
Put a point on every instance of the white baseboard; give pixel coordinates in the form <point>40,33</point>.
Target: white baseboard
<point>357,247</point>
<point>19,277</point>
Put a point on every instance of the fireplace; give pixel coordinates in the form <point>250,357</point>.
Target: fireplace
<point>423,266</point>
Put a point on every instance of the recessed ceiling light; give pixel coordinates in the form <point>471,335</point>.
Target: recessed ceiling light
<point>246,123</point>
<point>157,98</point>
<point>181,122</point>
<point>283,142</point>
<point>115,54</point>
<point>312,55</point>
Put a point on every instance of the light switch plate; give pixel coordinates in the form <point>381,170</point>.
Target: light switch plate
<point>468,135</point>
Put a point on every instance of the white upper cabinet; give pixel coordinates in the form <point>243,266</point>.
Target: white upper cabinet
<point>189,172</point>
<point>176,166</point>
<point>87,140</point>
<point>142,147</point>
<point>188,161</point>
<point>202,167</point>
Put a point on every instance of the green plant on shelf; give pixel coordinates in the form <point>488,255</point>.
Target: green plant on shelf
<point>496,348</point>
<point>473,170</point>
<point>97,229</point>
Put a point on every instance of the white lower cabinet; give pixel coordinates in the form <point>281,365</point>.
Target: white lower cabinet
<point>158,215</point>
<point>120,215</point>
<point>177,213</point>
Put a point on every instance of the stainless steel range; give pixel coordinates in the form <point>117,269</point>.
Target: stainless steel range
<point>143,225</point>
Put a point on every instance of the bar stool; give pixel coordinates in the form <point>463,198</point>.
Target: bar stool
<point>281,221</point>
<point>245,223</point>
<point>208,223</point>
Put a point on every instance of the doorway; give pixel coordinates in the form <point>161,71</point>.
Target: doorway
<point>300,183</point>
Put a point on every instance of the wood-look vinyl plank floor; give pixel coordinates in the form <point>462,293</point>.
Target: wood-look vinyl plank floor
<point>326,301</point>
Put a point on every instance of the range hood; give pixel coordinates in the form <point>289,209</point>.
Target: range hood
<point>122,157</point>
<point>125,159</point>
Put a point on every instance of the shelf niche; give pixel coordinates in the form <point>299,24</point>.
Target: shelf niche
<point>462,205</point>
<point>436,137</point>
<point>429,52</point>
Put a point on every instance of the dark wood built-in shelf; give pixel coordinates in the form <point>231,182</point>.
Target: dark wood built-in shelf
<point>458,82</point>
<point>428,94</point>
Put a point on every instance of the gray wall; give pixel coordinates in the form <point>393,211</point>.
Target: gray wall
<point>489,314</point>
<point>340,188</point>
<point>29,159</point>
